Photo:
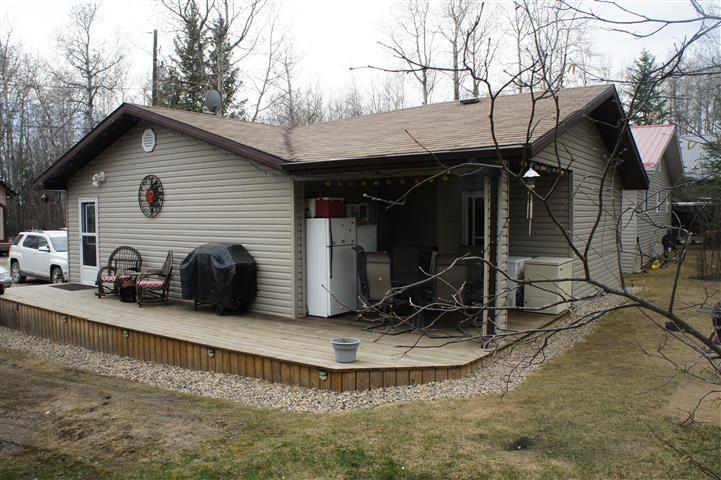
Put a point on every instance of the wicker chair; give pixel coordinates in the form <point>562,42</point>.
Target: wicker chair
<point>155,285</point>
<point>122,262</point>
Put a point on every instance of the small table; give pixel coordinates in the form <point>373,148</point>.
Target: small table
<point>127,291</point>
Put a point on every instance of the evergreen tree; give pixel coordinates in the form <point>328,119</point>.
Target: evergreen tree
<point>188,83</point>
<point>222,73</point>
<point>203,55</point>
<point>647,104</point>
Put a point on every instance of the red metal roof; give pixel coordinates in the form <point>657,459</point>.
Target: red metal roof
<point>652,141</point>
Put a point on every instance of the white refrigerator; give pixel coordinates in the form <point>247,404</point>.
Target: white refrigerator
<point>330,266</point>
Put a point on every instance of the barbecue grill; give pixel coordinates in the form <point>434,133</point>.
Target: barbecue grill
<point>219,274</point>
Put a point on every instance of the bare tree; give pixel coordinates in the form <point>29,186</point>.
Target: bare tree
<point>455,13</point>
<point>388,96</point>
<point>412,42</point>
<point>293,106</point>
<point>274,46</point>
<point>93,70</point>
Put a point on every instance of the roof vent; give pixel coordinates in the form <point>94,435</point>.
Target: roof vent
<point>148,140</point>
<point>468,101</point>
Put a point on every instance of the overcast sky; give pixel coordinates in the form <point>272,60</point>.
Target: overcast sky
<point>332,35</point>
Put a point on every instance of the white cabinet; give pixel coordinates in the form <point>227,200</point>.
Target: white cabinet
<point>546,295</point>
<point>515,273</point>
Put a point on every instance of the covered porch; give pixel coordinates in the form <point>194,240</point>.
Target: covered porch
<point>420,221</point>
<point>290,351</point>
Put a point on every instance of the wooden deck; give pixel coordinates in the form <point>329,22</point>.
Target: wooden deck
<point>283,350</point>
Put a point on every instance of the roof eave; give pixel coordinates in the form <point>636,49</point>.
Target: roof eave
<point>403,161</point>
<point>126,116</point>
<point>632,174</point>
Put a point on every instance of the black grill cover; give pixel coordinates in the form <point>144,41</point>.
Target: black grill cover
<point>219,274</point>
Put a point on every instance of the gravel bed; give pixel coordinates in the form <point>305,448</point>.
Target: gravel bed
<point>504,371</point>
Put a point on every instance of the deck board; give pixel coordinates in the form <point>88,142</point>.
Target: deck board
<point>290,351</point>
<point>303,341</point>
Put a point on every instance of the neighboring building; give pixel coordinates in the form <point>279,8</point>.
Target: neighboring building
<point>694,155</point>
<point>647,214</point>
<point>229,180</point>
<point>5,192</point>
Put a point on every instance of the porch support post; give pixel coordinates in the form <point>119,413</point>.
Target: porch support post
<point>500,252</point>
<point>298,250</point>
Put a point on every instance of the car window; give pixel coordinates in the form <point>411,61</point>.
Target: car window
<point>42,242</point>
<point>31,241</point>
<point>16,240</point>
<point>60,244</point>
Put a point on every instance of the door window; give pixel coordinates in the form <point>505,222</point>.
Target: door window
<point>31,241</point>
<point>88,234</point>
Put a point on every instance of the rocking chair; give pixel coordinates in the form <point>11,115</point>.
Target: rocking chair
<point>122,264</point>
<point>155,285</point>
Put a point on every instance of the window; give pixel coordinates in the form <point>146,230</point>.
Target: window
<point>645,202</point>
<point>31,241</point>
<point>60,244</point>
<point>42,242</point>
<point>667,203</point>
<point>16,240</point>
<point>473,211</point>
<point>658,202</point>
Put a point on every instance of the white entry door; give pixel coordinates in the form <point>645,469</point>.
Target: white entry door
<point>88,240</point>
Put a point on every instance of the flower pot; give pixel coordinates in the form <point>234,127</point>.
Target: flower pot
<point>345,349</point>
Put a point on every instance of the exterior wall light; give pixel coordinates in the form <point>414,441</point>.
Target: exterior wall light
<point>126,333</point>
<point>323,374</point>
<point>211,352</point>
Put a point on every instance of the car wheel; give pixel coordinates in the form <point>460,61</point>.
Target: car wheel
<point>16,273</point>
<point>56,275</point>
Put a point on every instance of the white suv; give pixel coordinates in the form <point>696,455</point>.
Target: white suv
<point>41,254</point>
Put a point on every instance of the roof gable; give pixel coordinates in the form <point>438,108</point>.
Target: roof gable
<point>656,143</point>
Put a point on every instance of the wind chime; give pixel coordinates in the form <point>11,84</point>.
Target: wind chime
<point>530,178</point>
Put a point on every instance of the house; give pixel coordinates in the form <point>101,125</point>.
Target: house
<point>5,192</point>
<point>647,214</point>
<point>228,180</point>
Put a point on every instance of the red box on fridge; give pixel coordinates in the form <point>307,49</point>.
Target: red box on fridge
<point>326,207</point>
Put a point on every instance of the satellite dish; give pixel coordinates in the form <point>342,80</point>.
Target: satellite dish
<point>213,101</point>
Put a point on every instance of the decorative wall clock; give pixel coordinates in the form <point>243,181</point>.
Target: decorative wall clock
<point>150,196</point>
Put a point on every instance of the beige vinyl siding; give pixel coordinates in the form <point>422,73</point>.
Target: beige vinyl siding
<point>582,150</point>
<point>546,239</point>
<point>210,196</point>
<point>630,260</point>
<point>450,223</point>
<point>650,225</point>
<point>416,222</point>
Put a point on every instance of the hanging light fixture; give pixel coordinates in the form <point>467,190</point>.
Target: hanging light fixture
<point>530,178</point>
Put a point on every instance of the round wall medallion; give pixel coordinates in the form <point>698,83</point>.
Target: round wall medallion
<point>150,196</point>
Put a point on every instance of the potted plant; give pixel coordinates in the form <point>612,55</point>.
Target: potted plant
<point>345,349</point>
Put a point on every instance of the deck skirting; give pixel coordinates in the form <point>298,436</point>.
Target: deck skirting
<point>92,335</point>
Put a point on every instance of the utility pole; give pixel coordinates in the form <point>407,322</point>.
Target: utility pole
<point>154,94</point>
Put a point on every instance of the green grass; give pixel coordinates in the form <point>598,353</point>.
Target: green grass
<point>595,412</point>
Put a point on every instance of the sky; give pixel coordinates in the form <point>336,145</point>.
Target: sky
<point>331,35</point>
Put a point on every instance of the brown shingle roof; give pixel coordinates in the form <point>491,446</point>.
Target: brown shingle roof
<point>444,126</point>
<point>267,138</point>
<point>370,141</point>
<point>439,127</point>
